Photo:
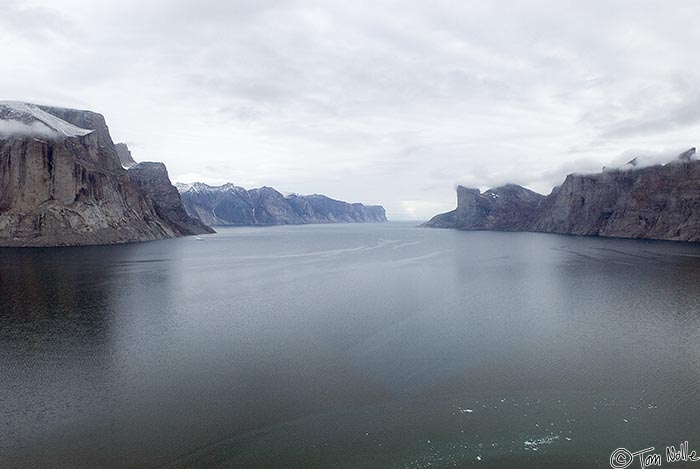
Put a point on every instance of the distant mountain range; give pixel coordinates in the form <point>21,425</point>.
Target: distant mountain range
<point>233,205</point>
<point>655,202</point>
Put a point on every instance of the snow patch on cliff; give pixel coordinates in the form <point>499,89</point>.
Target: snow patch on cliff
<point>202,187</point>
<point>25,119</point>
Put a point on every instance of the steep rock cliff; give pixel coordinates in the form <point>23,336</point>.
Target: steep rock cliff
<point>61,182</point>
<point>658,202</point>
<point>506,208</point>
<point>153,179</point>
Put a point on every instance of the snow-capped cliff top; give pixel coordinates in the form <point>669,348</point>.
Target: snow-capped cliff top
<point>201,187</point>
<point>28,120</point>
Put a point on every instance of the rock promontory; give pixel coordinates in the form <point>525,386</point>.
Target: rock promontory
<point>62,183</point>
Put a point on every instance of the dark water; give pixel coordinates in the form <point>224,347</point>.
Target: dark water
<point>349,346</point>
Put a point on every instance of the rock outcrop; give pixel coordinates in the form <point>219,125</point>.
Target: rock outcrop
<point>507,208</point>
<point>656,202</point>
<point>153,179</point>
<point>61,183</point>
<point>125,158</point>
<point>232,205</point>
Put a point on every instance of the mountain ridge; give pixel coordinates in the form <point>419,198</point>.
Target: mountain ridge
<point>231,205</point>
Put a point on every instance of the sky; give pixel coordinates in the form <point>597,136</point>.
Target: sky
<point>380,102</point>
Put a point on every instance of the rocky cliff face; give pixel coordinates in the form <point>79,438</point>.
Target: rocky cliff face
<point>232,205</point>
<point>61,183</point>
<point>507,208</point>
<point>125,158</point>
<point>658,202</point>
<point>153,179</point>
<point>321,209</point>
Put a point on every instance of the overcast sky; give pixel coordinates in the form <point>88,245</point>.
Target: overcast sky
<point>385,102</point>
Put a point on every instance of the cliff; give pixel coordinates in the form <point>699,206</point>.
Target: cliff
<point>61,183</point>
<point>656,202</point>
<point>153,179</point>
<point>507,208</point>
<point>124,155</point>
<point>232,205</point>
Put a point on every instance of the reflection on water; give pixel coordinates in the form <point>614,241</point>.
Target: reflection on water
<point>350,345</point>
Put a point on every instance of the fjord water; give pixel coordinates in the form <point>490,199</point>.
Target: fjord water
<point>378,345</point>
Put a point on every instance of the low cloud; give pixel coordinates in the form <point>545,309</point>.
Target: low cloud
<point>15,128</point>
<point>644,158</point>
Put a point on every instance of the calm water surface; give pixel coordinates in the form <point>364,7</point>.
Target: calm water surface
<point>348,346</point>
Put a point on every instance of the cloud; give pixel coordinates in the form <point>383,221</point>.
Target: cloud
<point>33,23</point>
<point>15,128</point>
<point>643,158</point>
<point>684,111</point>
<point>382,103</point>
